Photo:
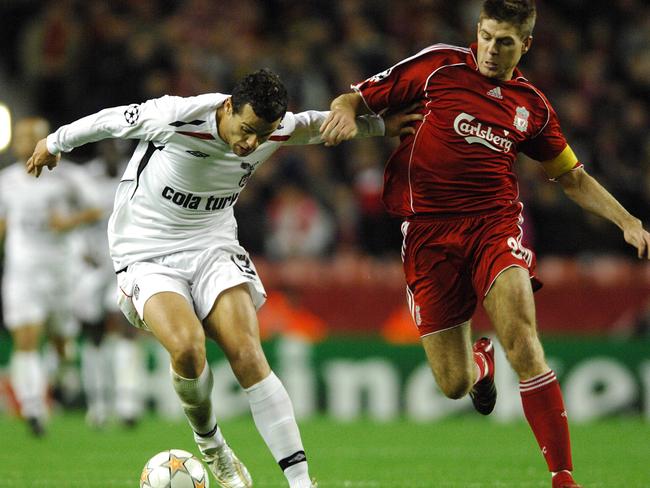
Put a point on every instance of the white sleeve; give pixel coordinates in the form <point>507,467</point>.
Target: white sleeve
<point>308,123</point>
<point>147,121</point>
<point>370,126</point>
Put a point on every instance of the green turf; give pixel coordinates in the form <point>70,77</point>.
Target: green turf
<point>467,452</point>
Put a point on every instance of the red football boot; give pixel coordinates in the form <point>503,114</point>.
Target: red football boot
<point>484,393</point>
<point>563,479</point>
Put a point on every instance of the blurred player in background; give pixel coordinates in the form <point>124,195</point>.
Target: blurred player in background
<point>37,281</point>
<point>173,238</point>
<point>454,185</point>
<point>112,365</point>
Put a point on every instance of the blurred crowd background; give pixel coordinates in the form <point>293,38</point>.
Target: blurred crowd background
<point>66,58</point>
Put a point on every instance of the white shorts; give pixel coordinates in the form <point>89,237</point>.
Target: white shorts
<point>39,296</point>
<point>199,276</point>
<point>95,293</point>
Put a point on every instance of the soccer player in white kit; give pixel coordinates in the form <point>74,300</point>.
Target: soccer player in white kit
<point>112,364</point>
<point>37,281</point>
<point>173,239</point>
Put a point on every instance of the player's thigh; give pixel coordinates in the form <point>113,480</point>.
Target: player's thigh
<point>511,308</point>
<point>171,319</point>
<point>26,337</point>
<point>232,323</point>
<point>449,353</point>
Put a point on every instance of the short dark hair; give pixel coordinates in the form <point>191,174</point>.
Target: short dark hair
<point>265,93</point>
<point>520,13</point>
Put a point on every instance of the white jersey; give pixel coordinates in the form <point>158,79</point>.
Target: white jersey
<point>94,236</point>
<point>27,205</point>
<point>178,191</point>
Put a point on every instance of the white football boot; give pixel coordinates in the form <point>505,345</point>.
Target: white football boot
<point>228,470</point>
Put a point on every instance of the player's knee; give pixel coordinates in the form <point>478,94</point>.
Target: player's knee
<point>249,365</point>
<point>525,354</point>
<point>455,388</point>
<point>188,359</point>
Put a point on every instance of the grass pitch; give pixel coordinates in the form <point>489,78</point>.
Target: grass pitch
<point>464,452</point>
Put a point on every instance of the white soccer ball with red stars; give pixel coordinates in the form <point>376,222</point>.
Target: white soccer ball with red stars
<point>174,468</point>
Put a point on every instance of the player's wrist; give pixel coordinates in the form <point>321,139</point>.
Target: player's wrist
<point>51,145</point>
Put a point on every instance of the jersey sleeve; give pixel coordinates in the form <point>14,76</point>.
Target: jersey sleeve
<point>147,121</point>
<point>550,148</point>
<point>308,123</point>
<point>399,85</point>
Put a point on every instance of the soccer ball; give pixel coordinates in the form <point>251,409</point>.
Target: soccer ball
<point>174,468</point>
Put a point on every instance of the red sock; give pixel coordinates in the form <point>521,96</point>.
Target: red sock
<point>483,366</point>
<point>541,398</point>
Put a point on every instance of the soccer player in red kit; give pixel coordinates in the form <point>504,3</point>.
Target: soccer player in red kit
<point>453,183</point>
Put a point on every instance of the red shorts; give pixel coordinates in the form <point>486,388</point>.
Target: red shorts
<point>449,262</point>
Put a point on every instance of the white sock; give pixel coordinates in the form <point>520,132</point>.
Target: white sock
<point>273,415</point>
<point>195,395</point>
<point>95,381</point>
<point>129,374</point>
<point>28,382</point>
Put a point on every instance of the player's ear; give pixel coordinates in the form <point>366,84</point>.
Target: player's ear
<point>227,105</point>
<point>526,45</point>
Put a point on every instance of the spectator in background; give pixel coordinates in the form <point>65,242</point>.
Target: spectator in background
<point>299,226</point>
<point>50,48</point>
<point>183,48</point>
<point>378,232</point>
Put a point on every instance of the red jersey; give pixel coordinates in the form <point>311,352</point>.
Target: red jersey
<point>461,158</point>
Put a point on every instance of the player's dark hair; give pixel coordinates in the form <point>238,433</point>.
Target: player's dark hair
<point>520,13</point>
<point>265,93</point>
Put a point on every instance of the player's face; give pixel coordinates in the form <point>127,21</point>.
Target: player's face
<point>500,48</point>
<point>27,133</point>
<point>245,131</point>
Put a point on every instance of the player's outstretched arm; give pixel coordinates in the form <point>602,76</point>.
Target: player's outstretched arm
<point>340,124</point>
<point>592,196</point>
<point>41,158</point>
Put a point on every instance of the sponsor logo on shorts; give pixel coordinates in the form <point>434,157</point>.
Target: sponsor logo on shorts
<point>136,292</point>
<point>478,133</point>
<point>243,262</point>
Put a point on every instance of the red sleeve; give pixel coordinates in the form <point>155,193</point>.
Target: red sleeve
<point>549,142</point>
<point>401,84</point>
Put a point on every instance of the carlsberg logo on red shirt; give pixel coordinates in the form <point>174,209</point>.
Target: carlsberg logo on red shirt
<point>478,133</point>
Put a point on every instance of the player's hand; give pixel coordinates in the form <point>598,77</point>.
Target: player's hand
<point>638,237</point>
<point>59,223</point>
<point>40,159</point>
<point>402,122</point>
<point>340,125</point>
